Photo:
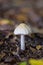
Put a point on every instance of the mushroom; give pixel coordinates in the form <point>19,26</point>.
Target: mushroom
<point>22,30</point>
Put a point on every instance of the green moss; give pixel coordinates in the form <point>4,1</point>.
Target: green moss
<point>36,62</point>
<point>23,63</point>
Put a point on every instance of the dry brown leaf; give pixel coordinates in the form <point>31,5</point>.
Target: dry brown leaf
<point>1,42</point>
<point>38,47</point>
<point>2,55</point>
<point>21,17</point>
<point>33,50</point>
<point>5,22</point>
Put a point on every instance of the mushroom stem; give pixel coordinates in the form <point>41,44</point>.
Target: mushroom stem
<point>22,42</point>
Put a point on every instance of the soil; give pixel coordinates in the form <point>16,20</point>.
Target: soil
<point>11,54</point>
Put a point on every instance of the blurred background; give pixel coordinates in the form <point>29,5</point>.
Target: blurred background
<point>27,11</point>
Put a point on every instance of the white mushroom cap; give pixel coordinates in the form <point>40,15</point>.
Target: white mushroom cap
<point>23,29</point>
